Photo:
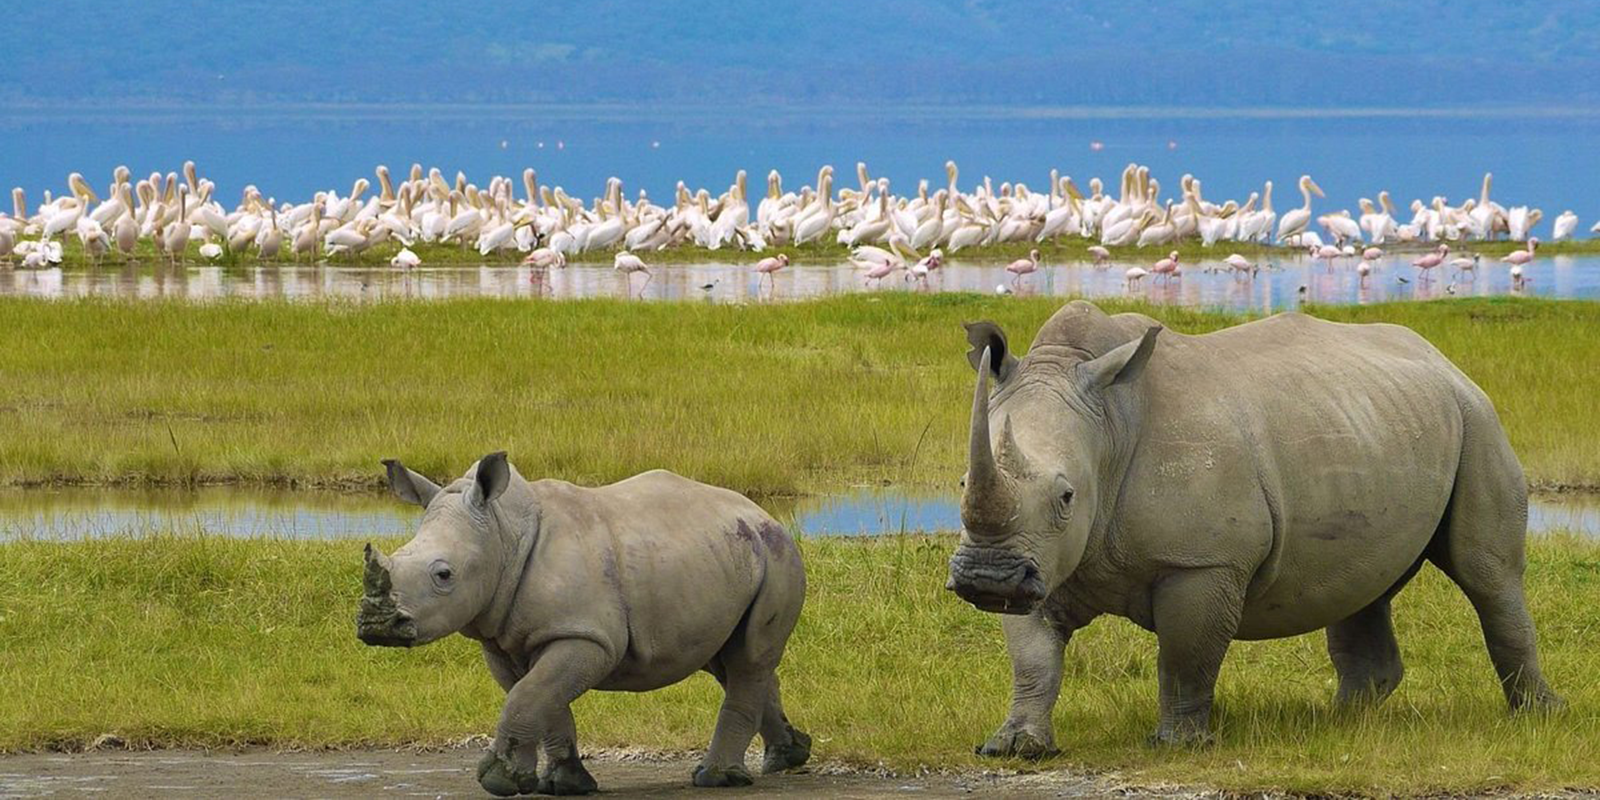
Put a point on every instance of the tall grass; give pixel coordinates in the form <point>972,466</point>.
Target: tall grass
<point>185,641</point>
<point>766,399</point>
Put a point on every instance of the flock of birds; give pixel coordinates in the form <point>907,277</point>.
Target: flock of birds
<point>886,232</point>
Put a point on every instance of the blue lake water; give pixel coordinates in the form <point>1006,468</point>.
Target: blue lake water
<point>1541,157</point>
<point>1205,284</point>
<point>80,513</point>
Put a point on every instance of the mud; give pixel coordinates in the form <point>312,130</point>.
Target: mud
<point>449,773</point>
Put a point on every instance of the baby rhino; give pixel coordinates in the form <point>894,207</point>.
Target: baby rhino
<point>627,587</point>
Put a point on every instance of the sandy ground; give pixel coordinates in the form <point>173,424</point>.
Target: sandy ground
<point>391,773</point>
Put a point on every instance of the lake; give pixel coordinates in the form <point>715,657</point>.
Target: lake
<point>82,513</point>
<point>1205,284</point>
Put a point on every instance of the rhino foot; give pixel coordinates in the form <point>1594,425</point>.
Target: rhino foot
<point>567,777</point>
<point>1181,736</point>
<point>1017,743</point>
<point>717,777</point>
<point>788,756</point>
<point>498,777</point>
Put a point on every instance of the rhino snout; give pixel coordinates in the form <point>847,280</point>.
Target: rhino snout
<point>381,624</point>
<point>996,579</point>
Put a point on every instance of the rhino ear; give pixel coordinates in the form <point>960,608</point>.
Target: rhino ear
<point>1122,364</point>
<point>408,485</point>
<point>986,334</point>
<point>493,474</point>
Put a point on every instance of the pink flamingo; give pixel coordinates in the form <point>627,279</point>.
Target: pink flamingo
<point>1517,281</point>
<point>1430,260</point>
<point>1521,258</point>
<point>1167,266</point>
<point>876,270</point>
<point>1101,255</point>
<point>1364,269</point>
<point>1023,266</point>
<point>1372,253</point>
<point>771,264</point>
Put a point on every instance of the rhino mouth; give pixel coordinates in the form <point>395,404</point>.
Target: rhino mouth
<point>996,580</point>
<point>380,624</point>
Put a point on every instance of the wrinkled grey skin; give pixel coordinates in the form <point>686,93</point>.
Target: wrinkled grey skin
<point>628,587</point>
<point>1267,480</point>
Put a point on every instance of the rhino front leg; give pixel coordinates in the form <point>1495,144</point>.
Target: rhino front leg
<point>538,715</point>
<point>1036,648</point>
<point>1196,615</point>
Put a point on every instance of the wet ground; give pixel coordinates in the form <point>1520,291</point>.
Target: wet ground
<point>450,773</point>
<point>78,513</point>
<point>1278,284</point>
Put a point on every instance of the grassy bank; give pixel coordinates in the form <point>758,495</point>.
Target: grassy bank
<point>208,642</point>
<point>780,399</point>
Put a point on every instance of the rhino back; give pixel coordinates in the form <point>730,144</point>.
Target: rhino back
<point>659,567</point>
<point>1318,456</point>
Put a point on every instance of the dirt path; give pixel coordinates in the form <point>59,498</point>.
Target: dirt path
<point>390,773</point>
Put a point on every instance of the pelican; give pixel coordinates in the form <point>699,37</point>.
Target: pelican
<point>1566,222</point>
<point>1294,221</point>
<point>405,259</point>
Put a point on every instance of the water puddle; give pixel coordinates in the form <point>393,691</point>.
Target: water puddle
<point>1208,283</point>
<point>76,513</point>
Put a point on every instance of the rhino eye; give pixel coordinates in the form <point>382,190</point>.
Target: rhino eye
<point>442,573</point>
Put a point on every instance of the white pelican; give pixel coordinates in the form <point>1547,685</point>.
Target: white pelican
<point>1564,226</point>
<point>1294,221</point>
<point>405,259</point>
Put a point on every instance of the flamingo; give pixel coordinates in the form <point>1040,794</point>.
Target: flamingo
<point>1101,255</point>
<point>1372,253</point>
<point>1135,275</point>
<point>1428,261</point>
<point>1024,266</point>
<point>1239,264</point>
<point>1364,269</point>
<point>1517,281</point>
<point>628,263</point>
<point>1522,257</point>
<point>544,258</point>
<point>1168,266</point>
<point>767,267</point>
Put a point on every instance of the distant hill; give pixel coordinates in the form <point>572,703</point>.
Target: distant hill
<point>1107,52</point>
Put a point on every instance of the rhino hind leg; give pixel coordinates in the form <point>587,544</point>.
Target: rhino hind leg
<point>1366,656</point>
<point>746,666</point>
<point>786,746</point>
<point>1480,545</point>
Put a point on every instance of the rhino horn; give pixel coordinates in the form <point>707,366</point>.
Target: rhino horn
<point>376,580</point>
<point>986,503</point>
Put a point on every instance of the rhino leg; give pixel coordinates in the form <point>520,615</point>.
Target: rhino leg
<point>537,715</point>
<point>1366,656</point>
<point>745,693</point>
<point>1196,614</point>
<point>786,747</point>
<point>1480,545</point>
<point>1036,648</point>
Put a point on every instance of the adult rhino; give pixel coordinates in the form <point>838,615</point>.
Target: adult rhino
<point>629,587</point>
<point>1258,482</point>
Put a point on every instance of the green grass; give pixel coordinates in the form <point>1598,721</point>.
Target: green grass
<point>182,641</point>
<point>779,399</point>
